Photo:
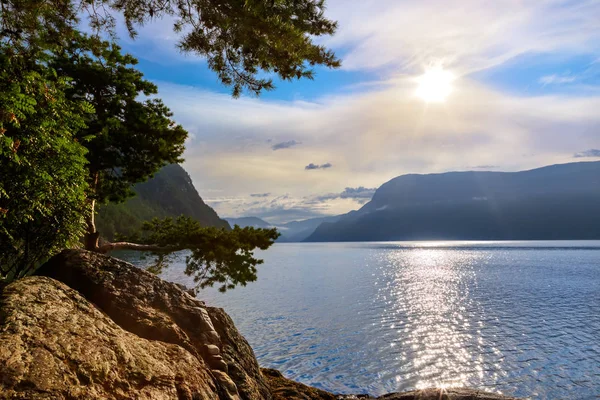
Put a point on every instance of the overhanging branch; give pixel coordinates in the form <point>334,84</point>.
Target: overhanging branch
<point>108,247</point>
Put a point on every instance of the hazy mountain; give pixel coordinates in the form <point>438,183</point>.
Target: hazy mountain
<point>295,231</point>
<point>253,222</point>
<point>555,202</point>
<point>169,193</point>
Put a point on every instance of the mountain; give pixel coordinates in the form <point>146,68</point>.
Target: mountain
<point>554,202</point>
<point>252,222</point>
<point>295,231</point>
<point>170,193</point>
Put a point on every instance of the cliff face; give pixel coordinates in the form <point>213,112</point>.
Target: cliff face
<point>170,193</point>
<point>94,327</point>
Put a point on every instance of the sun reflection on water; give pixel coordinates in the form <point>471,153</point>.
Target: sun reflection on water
<point>428,304</point>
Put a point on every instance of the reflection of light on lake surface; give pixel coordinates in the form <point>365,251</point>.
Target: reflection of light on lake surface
<point>426,292</point>
<point>520,318</point>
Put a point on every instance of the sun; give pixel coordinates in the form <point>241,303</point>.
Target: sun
<point>435,85</point>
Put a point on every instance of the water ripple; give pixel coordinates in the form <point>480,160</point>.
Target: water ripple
<point>519,318</point>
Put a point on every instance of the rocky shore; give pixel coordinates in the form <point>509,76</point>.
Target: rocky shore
<point>89,326</point>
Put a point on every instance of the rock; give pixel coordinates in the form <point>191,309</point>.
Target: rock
<point>445,394</point>
<point>229,391</point>
<point>241,362</point>
<point>212,349</point>
<point>286,389</point>
<point>154,309</point>
<point>54,344</point>
<point>192,292</point>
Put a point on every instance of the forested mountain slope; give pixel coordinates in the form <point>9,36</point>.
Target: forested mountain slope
<point>170,193</point>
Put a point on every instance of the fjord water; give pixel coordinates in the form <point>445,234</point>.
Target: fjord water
<point>520,318</point>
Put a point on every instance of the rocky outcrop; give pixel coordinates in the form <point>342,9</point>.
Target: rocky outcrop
<point>93,327</point>
<point>286,389</point>
<point>445,394</point>
<point>151,308</point>
<point>54,344</point>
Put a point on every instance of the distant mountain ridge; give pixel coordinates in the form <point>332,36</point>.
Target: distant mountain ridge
<point>295,231</point>
<point>298,231</point>
<point>253,222</point>
<point>555,202</point>
<point>170,193</point>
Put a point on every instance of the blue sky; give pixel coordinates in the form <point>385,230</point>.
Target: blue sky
<point>525,93</point>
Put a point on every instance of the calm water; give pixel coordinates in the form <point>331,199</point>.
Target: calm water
<point>521,318</point>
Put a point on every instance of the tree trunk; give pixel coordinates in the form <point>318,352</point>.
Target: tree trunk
<point>108,247</point>
<point>90,240</point>
<point>92,236</point>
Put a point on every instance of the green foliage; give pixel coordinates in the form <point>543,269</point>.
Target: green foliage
<point>74,129</point>
<point>31,26</point>
<point>242,40</point>
<point>218,256</point>
<point>42,173</point>
<point>128,139</point>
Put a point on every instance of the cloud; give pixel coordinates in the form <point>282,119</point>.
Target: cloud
<point>285,145</point>
<point>358,194</point>
<point>485,166</point>
<point>281,209</point>
<point>285,208</point>
<point>260,194</point>
<point>312,166</point>
<point>403,36</point>
<point>468,35</point>
<point>556,79</point>
<point>591,153</point>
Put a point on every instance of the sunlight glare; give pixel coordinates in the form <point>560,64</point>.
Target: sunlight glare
<point>435,85</point>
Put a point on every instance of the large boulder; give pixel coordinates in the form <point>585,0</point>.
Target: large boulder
<point>154,309</point>
<point>54,344</point>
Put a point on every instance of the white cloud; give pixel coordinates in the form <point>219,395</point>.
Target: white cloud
<point>556,79</point>
<point>465,35</point>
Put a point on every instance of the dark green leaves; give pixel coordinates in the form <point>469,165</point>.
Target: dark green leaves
<point>245,42</point>
<point>76,124</point>
<point>42,166</point>
<point>128,137</point>
<point>218,256</point>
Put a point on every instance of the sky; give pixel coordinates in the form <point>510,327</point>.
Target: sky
<point>523,91</point>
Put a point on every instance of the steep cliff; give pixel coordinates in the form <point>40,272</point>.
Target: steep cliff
<point>93,327</point>
<point>170,193</point>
